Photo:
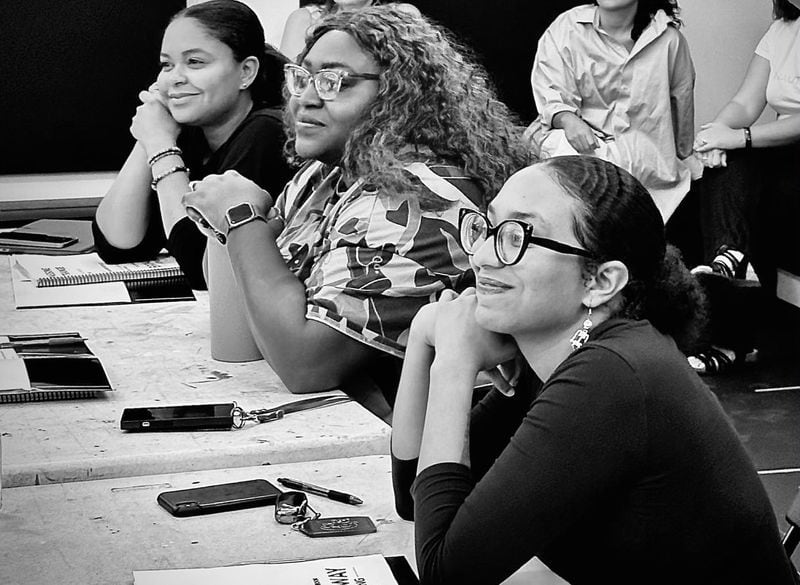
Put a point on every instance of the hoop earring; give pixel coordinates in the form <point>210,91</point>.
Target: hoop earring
<point>581,336</point>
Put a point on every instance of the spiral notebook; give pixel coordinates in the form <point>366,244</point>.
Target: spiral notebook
<point>49,366</point>
<point>44,270</point>
<point>155,281</point>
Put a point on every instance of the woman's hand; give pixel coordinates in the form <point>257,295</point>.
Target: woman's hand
<point>579,134</point>
<point>456,334</point>
<point>210,198</point>
<point>716,135</point>
<point>152,125</point>
<point>713,159</point>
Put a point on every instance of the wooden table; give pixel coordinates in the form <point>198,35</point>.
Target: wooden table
<point>158,354</point>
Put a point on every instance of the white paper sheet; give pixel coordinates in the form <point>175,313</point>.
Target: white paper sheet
<point>363,570</point>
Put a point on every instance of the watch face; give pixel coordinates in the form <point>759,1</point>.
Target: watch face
<point>240,213</point>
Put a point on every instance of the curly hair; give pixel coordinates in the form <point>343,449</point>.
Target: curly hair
<point>616,219</point>
<point>784,10</point>
<point>430,96</point>
<point>646,10</point>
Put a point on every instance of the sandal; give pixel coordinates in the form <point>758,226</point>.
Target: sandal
<point>728,263</point>
<point>712,361</point>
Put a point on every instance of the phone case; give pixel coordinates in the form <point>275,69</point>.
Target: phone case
<point>219,497</point>
<point>188,417</point>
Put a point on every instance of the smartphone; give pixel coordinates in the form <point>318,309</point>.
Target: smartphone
<point>219,497</point>
<point>35,239</point>
<point>189,417</point>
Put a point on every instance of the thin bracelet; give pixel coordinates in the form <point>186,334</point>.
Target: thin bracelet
<point>748,138</point>
<point>167,173</point>
<point>162,153</point>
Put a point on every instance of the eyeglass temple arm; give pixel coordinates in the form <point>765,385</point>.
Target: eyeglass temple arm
<point>559,247</point>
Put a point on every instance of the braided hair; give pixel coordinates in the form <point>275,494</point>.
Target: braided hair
<point>616,219</point>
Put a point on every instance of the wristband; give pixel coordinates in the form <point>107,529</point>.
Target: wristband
<point>748,138</point>
<point>172,150</point>
<point>167,173</point>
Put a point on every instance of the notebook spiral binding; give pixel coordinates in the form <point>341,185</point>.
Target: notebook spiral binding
<point>43,395</point>
<point>112,276</point>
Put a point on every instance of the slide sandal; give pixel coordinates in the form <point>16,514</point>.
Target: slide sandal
<point>712,361</point>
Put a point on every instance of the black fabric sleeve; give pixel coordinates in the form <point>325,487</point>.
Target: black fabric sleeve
<point>580,439</point>
<point>152,243</point>
<point>403,473</point>
<point>496,418</point>
<point>188,245</point>
<point>493,421</point>
<point>256,152</point>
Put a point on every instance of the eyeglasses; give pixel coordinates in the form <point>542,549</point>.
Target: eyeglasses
<point>511,237</point>
<point>327,82</point>
<point>292,508</point>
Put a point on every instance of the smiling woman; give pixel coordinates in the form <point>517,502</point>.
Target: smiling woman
<point>396,132</point>
<point>621,445</point>
<point>212,108</point>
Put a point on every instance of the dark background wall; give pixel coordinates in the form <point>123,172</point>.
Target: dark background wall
<point>503,35</point>
<point>70,72</point>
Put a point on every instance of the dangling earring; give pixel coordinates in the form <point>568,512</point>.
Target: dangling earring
<point>581,336</point>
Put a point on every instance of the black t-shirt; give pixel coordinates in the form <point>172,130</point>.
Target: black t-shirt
<point>255,150</point>
<point>623,469</point>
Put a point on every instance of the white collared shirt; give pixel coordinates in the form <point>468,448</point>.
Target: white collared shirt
<point>644,97</point>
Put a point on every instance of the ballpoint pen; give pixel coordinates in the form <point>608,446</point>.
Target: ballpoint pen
<point>320,491</point>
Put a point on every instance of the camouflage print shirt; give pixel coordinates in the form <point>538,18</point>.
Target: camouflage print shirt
<point>369,259</point>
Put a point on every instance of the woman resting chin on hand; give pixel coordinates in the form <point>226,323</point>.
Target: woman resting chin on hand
<point>215,106</point>
<point>618,439</point>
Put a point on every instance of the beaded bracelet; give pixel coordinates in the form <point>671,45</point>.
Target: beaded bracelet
<point>748,138</point>
<point>162,153</point>
<point>167,173</point>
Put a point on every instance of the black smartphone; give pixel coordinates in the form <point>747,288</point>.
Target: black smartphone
<point>219,497</point>
<point>187,417</point>
<point>35,239</point>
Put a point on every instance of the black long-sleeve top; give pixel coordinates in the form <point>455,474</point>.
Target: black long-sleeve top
<point>254,150</point>
<point>622,469</point>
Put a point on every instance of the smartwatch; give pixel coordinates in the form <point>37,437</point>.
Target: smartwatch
<point>240,214</point>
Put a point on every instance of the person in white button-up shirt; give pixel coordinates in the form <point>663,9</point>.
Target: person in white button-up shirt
<point>616,80</point>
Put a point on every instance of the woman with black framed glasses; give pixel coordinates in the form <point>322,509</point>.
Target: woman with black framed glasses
<point>396,131</point>
<point>621,466</point>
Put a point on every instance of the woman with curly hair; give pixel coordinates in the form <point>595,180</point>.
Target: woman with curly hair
<point>398,131</point>
<point>621,467</point>
<point>615,79</point>
<point>305,18</point>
